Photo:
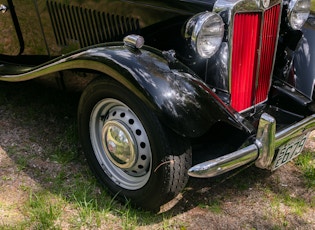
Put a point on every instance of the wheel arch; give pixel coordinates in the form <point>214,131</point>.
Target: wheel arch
<point>178,97</point>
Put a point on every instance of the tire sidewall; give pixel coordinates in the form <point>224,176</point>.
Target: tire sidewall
<point>157,185</point>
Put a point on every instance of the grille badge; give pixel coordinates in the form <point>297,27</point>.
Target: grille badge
<point>265,3</point>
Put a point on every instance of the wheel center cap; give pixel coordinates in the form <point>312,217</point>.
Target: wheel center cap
<point>119,144</point>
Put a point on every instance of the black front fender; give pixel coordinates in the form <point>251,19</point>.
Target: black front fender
<point>179,98</point>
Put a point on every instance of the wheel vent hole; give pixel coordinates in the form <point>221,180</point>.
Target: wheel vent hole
<point>140,166</point>
<point>142,145</point>
<point>143,157</point>
<point>122,115</point>
<point>114,113</point>
<point>131,121</point>
<point>134,171</point>
<point>138,132</point>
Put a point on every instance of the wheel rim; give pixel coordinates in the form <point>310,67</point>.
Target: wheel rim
<point>120,144</point>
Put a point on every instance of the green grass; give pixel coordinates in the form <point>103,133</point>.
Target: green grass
<point>284,204</point>
<point>43,211</point>
<point>306,162</point>
<point>65,148</point>
<point>297,204</point>
<point>214,207</point>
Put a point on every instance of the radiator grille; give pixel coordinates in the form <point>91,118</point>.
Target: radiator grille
<point>86,26</point>
<point>252,57</point>
<point>269,38</point>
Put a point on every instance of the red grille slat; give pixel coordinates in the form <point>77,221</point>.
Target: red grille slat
<point>244,59</point>
<point>269,38</point>
<point>246,88</point>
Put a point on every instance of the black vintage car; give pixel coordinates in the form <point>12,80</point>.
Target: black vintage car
<point>171,88</point>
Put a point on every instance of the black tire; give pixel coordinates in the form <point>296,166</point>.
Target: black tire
<point>128,148</point>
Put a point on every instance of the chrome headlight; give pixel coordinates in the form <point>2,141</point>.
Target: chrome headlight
<point>298,13</point>
<point>206,31</point>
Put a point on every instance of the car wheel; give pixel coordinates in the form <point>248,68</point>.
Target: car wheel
<point>127,147</point>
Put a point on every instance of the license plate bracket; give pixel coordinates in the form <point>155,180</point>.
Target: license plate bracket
<point>289,151</point>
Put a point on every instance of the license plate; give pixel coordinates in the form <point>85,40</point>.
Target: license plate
<point>289,151</point>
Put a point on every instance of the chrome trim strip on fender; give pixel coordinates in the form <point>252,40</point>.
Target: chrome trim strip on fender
<point>261,151</point>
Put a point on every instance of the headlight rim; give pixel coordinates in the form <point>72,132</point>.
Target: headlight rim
<point>202,20</point>
<point>292,10</point>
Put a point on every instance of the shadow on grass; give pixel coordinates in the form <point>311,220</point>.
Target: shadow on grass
<point>203,192</point>
<point>39,134</point>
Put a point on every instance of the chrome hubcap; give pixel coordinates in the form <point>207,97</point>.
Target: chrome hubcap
<point>120,144</point>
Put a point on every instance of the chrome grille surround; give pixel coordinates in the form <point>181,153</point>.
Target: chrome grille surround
<point>228,11</point>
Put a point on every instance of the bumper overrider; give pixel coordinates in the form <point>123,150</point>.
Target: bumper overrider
<point>262,151</point>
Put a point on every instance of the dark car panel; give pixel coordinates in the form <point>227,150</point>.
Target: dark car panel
<point>305,59</point>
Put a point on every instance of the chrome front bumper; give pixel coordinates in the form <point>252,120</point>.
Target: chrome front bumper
<point>262,151</point>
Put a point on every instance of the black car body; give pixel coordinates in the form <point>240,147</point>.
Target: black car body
<point>168,84</point>
<point>304,59</point>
